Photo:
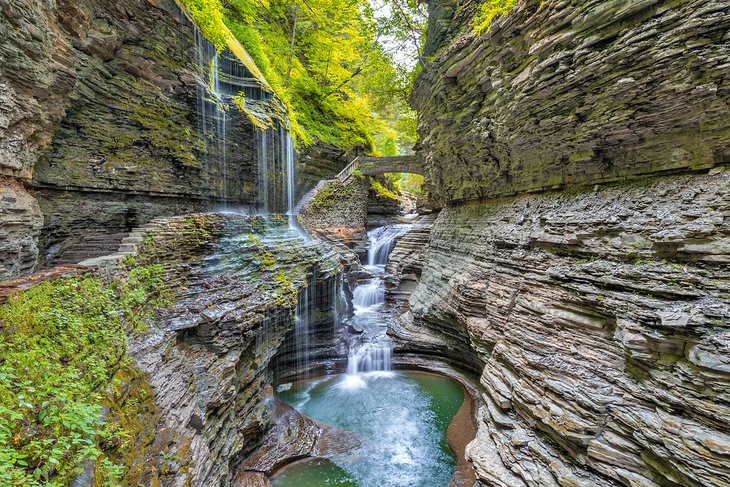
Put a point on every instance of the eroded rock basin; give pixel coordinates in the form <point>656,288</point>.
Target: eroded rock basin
<point>401,419</point>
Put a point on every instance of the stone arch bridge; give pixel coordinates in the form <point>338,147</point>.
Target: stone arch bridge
<point>371,166</point>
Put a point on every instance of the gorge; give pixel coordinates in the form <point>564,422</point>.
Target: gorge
<point>225,262</point>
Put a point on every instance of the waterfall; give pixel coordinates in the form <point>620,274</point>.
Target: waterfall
<point>276,162</point>
<point>337,301</point>
<point>262,144</point>
<point>306,302</point>
<point>220,78</point>
<point>374,354</point>
<point>287,147</point>
<point>212,107</point>
<point>382,240</point>
<point>368,295</point>
<point>301,333</point>
<point>371,357</point>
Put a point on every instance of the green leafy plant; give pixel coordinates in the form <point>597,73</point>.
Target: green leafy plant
<point>488,10</point>
<point>324,61</point>
<point>62,341</point>
<point>382,191</point>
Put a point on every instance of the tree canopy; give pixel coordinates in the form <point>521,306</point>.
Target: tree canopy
<point>332,62</point>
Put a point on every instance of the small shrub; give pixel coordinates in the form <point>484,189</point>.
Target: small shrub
<point>62,342</point>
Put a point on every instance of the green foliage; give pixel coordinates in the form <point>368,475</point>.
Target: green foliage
<point>62,341</point>
<point>326,196</point>
<point>343,88</point>
<point>488,11</point>
<point>382,191</point>
<point>407,183</point>
<point>208,17</point>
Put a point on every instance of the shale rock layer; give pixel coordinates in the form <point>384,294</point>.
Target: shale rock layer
<point>559,93</point>
<point>600,323</point>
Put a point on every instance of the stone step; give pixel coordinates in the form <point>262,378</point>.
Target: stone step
<point>132,240</point>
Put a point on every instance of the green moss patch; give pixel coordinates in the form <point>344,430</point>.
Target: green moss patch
<point>488,11</point>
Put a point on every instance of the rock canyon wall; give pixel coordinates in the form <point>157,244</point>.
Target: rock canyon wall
<point>110,115</point>
<point>597,315</point>
<point>559,94</point>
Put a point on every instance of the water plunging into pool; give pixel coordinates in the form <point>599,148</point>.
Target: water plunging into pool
<point>398,418</point>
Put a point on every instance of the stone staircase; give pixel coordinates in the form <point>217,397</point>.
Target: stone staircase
<point>342,176</point>
<point>92,245</point>
<point>308,196</point>
<point>127,246</point>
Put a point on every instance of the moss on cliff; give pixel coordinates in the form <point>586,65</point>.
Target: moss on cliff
<point>337,82</point>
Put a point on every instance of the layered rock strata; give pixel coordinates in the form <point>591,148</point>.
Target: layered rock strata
<point>108,118</point>
<point>338,212</point>
<point>599,320</point>
<point>563,93</point>
<point>101,103</point>
<point>208,362</point>
<point>386,207</point>
<point>597,316</point>
<point>406,261</point>
<point>20,224</point>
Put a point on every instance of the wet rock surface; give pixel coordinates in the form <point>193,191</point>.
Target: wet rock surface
<point>20,225</point>
<point>406,261</point>
<point>293,437</point>
<point>207,361</point>
<point>102,122</point>
<point>338,212</point>
<point>598,321</point>
<point>573,92</point>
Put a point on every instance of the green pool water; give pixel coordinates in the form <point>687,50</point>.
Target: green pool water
<point>401,418</point>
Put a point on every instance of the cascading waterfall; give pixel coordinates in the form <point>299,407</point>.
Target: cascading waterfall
<point>382,240</point>
<point>370,357</point>
<point>368,296</point>
<point>301,333</point>
<point>220,80</point>
<point>276,163</point>
<point>373,354</point>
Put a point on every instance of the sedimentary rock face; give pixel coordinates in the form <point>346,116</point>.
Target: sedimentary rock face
<point>578,92</point>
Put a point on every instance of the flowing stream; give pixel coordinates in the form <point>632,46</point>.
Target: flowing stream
<point>399,418</point>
